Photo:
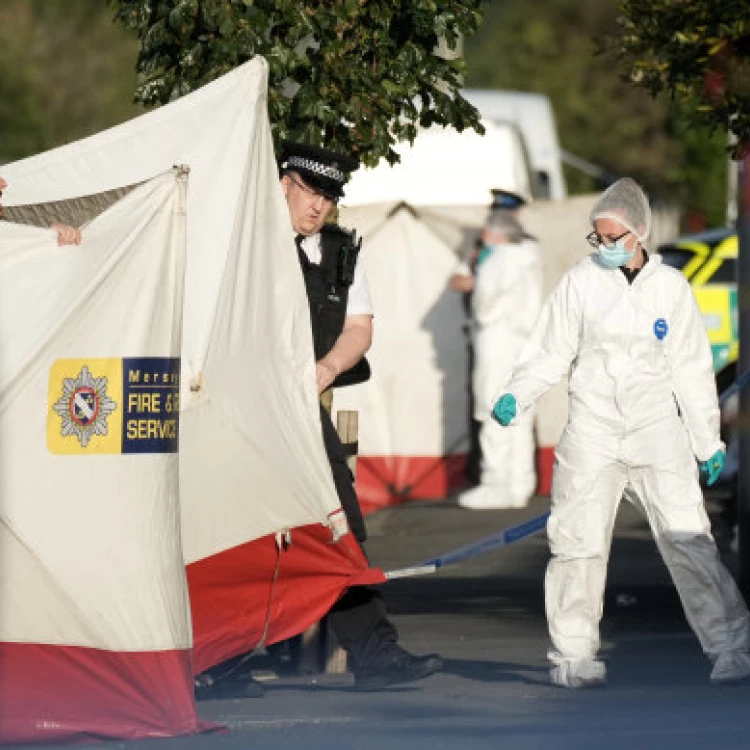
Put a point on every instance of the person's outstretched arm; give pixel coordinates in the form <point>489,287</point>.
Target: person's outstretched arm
<point>350,347</point>
<point>66,235</point>
<point>552,347</point>
<point>693,379</point>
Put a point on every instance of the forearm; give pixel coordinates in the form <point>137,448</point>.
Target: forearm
<point>696,397</point>
<point>693,380</point>
<point>548,353</point>
<point>350,347</point>
<point>461,283</point>
<point>534,377</point>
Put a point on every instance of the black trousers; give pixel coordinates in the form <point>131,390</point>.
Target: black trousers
<point>474,457</point>
<point>359,618</point>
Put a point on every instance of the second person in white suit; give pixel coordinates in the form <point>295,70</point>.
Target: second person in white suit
<point>506,301</point>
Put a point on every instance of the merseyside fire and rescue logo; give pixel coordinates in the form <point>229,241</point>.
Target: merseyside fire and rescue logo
<point>84,406</point>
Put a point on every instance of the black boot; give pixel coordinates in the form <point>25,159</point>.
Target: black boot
<point>395,666</point>
<point>208,689</point>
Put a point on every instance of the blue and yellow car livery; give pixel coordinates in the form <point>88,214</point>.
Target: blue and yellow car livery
<point>709,261</point>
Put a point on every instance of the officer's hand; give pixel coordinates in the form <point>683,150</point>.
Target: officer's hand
<point>66,235</point>
<point>505,409</point>
<point>712,468</point>
<point>461,283</point>
<point>325,374</point>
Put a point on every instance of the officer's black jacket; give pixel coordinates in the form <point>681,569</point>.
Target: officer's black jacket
<point>327,285</point>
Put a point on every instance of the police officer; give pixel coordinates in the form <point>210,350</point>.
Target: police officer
<point>312,179</point>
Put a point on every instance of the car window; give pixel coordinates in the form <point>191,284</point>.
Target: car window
<point>726,273</point>
<point>675,257</point>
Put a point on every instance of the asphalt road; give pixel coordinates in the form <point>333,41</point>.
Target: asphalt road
<point>485,616</point>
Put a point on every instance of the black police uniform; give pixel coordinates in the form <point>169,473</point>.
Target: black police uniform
<point>359,618</point>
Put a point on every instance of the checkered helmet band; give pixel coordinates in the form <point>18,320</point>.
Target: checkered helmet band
<point>313,166</point>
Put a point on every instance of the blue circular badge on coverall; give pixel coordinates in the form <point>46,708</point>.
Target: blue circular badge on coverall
<point>660,328</point>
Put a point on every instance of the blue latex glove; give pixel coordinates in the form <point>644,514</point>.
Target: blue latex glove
<point>713,467</point>
<point>505,410</point>
<point>482,255</point>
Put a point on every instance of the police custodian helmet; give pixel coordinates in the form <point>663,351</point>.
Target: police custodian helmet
<point>506,199</point>
<point>320,168</point>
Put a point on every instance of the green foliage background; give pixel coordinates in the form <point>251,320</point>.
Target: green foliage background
<point>67,71</point>
<point>355,75</point>
<point>695,50</point>
<point>554,47</point>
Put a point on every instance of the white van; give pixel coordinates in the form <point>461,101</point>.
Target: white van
<point>532,115</point>
<point>447,168</point>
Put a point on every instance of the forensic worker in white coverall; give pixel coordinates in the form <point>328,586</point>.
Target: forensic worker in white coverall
<point>506,302</point>
<point>642,409</point>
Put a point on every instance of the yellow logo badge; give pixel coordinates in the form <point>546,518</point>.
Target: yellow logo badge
<point>114,405</point>
<point>85,400</point>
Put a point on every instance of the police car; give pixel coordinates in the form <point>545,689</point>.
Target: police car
<point>709,261</point>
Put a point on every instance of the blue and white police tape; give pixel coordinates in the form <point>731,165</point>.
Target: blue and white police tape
<point>514,533</point>
<point>480,547</point>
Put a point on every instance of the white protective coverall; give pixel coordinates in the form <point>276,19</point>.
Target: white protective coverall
<point>506,302</point>
<point>643,407</point>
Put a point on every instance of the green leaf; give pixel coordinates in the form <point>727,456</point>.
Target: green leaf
<point>360,65</point>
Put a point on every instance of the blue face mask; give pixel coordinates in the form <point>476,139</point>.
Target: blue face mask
<point>615,255</point>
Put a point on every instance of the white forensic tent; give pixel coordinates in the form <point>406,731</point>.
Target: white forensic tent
<point>418,218</point>
<point>413,411</point>
<point>94,618</point>
<point>417,222</point>
<point>252,462</point>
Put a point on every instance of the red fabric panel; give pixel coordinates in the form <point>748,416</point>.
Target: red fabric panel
<point>314,574</point>
<point>384,481</point>
<point>65,693</point>
<point>230,593</point>
<point>545,462</point>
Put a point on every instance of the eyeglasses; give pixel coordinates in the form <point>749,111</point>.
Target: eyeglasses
<point>595,239</point>
<point>308,190</point>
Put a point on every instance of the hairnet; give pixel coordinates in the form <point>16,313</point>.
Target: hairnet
<point>503,222</point>
<point>626,202</point>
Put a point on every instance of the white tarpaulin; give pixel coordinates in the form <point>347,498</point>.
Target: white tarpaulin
<point>93,588</point>
<point>414,422</point>
<point>417,219</point>
<point>236,218</point>
<point>252,461</point>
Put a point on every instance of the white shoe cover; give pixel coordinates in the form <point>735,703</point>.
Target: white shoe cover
<point>484,497</point>
<point>731,666</point>
<point>579,673</point>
